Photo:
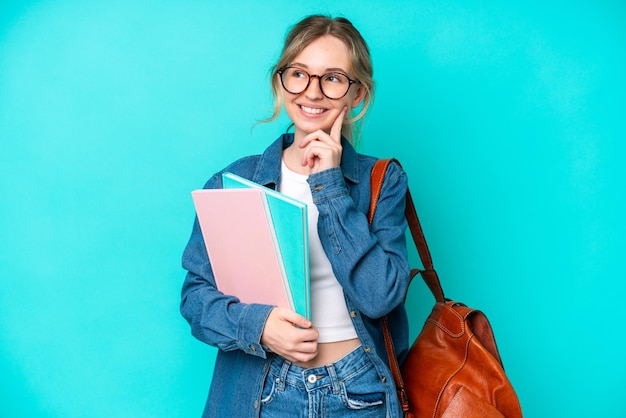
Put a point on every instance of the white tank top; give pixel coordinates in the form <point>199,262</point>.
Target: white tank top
<point>329,312</point>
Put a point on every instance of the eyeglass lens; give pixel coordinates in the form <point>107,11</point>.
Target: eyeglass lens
<point>333,85</point>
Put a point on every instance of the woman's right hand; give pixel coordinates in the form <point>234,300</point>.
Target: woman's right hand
<point>290,335</point>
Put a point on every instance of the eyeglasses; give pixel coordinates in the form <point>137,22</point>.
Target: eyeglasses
<point>333,85</point>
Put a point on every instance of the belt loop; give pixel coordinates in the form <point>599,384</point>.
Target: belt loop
<point>334,381</point>
<point>282,379</point>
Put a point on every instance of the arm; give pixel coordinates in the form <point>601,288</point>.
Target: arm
<point>370,263</point>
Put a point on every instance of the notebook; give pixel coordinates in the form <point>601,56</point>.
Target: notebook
<point>291,226</point>
<point>242,246</point>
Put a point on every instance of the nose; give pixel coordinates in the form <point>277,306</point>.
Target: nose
<point>314,92</point>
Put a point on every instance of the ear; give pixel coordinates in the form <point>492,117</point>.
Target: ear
<point>359,96</point>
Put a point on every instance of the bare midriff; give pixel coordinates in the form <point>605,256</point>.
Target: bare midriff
<point>328,353</point>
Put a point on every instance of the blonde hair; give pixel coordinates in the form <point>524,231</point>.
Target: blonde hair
<point>308,30</point>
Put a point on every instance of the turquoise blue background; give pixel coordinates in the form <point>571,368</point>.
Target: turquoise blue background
<point>509,118</point>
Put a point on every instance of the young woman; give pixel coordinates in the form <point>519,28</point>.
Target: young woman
<point>271,361</point>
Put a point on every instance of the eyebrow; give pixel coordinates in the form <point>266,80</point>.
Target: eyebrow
<point>328,70</point>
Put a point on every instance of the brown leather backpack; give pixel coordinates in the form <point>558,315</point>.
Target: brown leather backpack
<point>453,369</point>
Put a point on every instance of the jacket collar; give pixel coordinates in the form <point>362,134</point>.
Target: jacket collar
<point>268,171</point>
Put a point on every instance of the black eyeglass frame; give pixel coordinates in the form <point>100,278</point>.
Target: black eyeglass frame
<point>319,80</point>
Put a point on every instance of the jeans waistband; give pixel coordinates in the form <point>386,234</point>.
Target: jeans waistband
<point>332,374</point>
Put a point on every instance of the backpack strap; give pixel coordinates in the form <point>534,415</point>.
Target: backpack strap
<point>428,272</point>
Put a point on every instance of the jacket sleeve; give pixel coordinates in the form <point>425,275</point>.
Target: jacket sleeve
<point>370,263</point>
<point>217,319</point>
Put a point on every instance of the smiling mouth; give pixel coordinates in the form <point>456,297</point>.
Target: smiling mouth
<point>312,110</point>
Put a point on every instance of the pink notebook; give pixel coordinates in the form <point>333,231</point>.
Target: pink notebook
<point>242,246</point>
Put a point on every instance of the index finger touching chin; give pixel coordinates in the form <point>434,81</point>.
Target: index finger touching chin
<point>335,131</point>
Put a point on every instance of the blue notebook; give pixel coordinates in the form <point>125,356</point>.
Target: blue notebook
<point>290,220</point>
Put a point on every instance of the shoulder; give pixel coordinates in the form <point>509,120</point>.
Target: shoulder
<point>244,167</point>
<point>260,168</point>
<point>393,174</point>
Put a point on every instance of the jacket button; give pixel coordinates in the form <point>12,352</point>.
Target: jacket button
<point>319,188</point>
<point>353,314</point>
<point>253,349</point>
<point>367,349</point>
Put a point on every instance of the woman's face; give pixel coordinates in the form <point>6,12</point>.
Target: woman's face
<point>311,110</point>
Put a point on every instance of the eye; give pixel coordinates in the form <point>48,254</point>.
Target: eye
<point>298,73</point>
<point>335,78</point>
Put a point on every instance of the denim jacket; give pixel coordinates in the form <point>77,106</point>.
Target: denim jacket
<point>370,263</point>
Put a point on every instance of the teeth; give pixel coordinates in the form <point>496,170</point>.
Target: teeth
<point>312,110</point>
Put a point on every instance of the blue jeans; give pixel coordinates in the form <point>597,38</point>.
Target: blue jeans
<point>347,388</point>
